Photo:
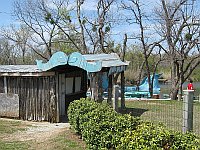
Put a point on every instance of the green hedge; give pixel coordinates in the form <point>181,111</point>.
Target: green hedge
<point>102,128</point>
<point>150,136</point>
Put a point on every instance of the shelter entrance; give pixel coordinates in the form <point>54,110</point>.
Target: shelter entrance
<point>72,86</point>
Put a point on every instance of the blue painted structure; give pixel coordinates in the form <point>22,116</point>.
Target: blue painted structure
<point>57,59</point>
<point>75,59</point>
<point>89,62</point>
<point>143,89</point>
<point>107,64</point>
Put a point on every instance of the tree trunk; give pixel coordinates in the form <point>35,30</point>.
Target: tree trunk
<point>173,94</point>
<point>174,90</point>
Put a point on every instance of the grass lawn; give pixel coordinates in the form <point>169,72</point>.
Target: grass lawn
<point>7,128</point>
<point>64,140</point>
<point>67,141</point>
<point>169,113</point>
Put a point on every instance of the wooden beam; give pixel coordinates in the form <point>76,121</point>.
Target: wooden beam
<point>116,97</point>
<point>92,85</point>
<point>110,82</point>
<point>122,90</point>
<point>100,87</point>
<point>58,119</point>
<point>27,74</point>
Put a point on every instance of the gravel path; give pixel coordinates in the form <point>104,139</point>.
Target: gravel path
<point>38,131</point>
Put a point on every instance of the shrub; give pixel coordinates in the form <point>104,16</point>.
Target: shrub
<point>103,128</point>
<point>186,141</point>
<point>150,136</point>
<point>77,109</point>
<point>98,124</point>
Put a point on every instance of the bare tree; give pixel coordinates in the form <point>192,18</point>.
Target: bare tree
<point>20,37</point>
<point>102,9</point>
<point>7,54</point>
<point>32,14</point>
<point>87,29</point>
<point>148,46</point>
<point>179,24</point>
<point>81,24</point>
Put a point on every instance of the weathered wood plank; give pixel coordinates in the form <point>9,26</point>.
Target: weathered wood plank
<point>122,90</point>
<point>56,86</point>
<point>110,84</point>
<point>37,97</point>
<point>1,85</point>
<point>24,74</point>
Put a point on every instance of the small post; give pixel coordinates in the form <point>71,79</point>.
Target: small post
<point>199,97</point>
<point>100,88</point>
<point>188,110</point>
<point>5,85</point>
<point>110,83</point>
<point>116,96</point>
<point>122,90</point>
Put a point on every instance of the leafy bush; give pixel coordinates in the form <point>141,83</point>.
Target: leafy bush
<point>77,109</point>
<point>103,128</point>
<point>98,124</point>
<point>186,141</point>
<point>150,136</point>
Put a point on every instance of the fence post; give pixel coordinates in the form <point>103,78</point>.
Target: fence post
<point>188,110</point>
<point>199,97</point>
<point>5,85</point>
<point>116,96</point>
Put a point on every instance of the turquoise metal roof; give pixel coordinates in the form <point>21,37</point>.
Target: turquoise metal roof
<point>88,62</point>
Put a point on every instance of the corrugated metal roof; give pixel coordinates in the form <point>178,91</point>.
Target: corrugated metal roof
<point>99,57</point>
<point>108,60</point>
<point>19,68</point>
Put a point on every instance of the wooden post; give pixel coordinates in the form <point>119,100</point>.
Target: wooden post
<point>5,85</point>
<point>122,90</point>
<point>100,88</point>
<point>110,83</point>
<point>116,96</point>
<point>93,85</point>
<point>57,94</point>
<point>188,110</point>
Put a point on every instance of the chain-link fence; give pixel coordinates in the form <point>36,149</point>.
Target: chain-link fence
<point>167,112</point>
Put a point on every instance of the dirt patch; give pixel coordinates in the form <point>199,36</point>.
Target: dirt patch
<point>41,135</point>
<point>38,131</point>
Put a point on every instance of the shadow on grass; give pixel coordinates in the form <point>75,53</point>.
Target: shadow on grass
<point>136,112</point>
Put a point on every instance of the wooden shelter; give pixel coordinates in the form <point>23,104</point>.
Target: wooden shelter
<point>44,91</point>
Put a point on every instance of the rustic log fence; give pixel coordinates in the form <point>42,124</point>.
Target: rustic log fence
<point>35,94</point>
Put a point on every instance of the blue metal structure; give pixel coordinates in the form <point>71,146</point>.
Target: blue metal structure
<point>89,62</point>
<point>143,89</point>
<point>145,85</point>
<point>56,59</point>
<point>76,59</point>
